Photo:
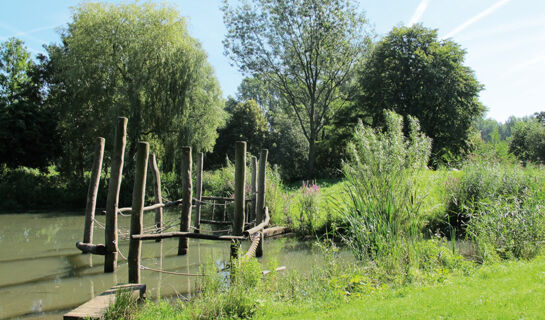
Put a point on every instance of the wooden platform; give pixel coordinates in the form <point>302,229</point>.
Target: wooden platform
<point>96,307</point>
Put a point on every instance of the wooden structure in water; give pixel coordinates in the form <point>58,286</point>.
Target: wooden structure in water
<point>242,228</point>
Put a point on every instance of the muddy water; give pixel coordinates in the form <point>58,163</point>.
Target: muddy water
<point>42,274</point>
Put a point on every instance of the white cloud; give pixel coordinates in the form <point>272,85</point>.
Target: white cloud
<point>476,18</point>
<point>417,15</point>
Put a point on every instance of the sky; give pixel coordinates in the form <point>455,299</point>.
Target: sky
<point>504,39</point>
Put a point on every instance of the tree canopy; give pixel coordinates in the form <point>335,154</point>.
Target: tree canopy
<point>134,60</point>
<point>307,50</point>
<point>412,72</point>
<point>27,128</point>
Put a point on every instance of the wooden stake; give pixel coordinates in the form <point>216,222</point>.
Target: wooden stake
<point>157,192</point>
<point>254,189</point>
<point>138,194</point>
<point>240,179</point>
<point>260,211</point>
<point>199,193</point>
<point>93,191</point>
<point>112,202</point>
<point>187,199</point>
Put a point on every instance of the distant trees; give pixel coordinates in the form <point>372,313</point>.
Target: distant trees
<point>412,72</point>
<point>306,50</point>
<point>528,140</point>
<point>27,126</point>
<point>135,60</point>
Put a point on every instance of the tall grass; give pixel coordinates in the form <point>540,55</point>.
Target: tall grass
<point>384,205</point>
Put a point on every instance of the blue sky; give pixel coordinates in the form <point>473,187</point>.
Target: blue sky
<point>504,39</point>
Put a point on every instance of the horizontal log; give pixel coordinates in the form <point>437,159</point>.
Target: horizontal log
<point>99,249</point>
<point>282,268</point>
<point>192,235</point>
<point>216,222</point>
<point>217,198</point>
<point>274,231</point>
<point>260,226</point>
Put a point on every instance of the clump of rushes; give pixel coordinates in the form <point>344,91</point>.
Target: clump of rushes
<point>383,205</point>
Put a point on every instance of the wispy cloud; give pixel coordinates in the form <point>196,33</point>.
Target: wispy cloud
<point>417,15</point>
<point>24,34</point>
<point>478,17</point>
<point>532,25</point>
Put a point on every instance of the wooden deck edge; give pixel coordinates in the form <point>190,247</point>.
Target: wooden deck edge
<point>97,307</point>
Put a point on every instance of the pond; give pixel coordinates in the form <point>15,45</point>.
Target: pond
<point>43,275</point>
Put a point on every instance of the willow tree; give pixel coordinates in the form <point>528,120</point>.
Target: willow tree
<point>138,61</point>
<point>306,49</point>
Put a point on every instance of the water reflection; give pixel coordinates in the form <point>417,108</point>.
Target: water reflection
<point>42,273</point>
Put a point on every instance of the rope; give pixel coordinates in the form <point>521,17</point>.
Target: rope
<point>174,273</point>
<point>119,251</point>
<point>256,237</point>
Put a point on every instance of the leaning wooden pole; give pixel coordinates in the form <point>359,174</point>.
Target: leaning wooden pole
<point>187,194</point>
<point>260,212</point>
<point>138,194</point>
<point>199,193</point>
<point>93,191</point>
<point>254,189</point>
<point>240,181</point>
<point>112,202</point>
<point>156,192</point>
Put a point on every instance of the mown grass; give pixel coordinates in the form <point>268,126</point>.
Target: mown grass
<point>508,290</point>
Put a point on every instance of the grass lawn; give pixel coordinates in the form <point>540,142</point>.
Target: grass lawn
<point>510,290</point>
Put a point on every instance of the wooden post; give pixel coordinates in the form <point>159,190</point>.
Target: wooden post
<point>240,179</point>
<point>254,189</point>
<point>187,199</point>
<point>260,212</point>
<point>138,194</point>
<point>199,193</point>
<point>157,192</point>
<point>93,191</point>
<point>112,202</point>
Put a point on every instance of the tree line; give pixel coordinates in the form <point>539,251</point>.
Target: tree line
<point>313,70</point>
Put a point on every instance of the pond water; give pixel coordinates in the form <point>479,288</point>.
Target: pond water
<point>43,275</point>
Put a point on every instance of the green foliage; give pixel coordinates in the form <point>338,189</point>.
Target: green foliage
<point>412,72</point>
<point>384,205</point>
<point>124,306</point>
<point>27,126</point>
<point>482,182</point>
<point>309,205</point>
<point>509,228</point>
<point>528,141</point>
<point>134,60</point>
<point>306,50</point>
<point>246,123</point>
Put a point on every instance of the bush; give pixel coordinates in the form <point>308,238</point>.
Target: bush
<point>482,182</point>
<point>380,173</point>
<point>508,228</point>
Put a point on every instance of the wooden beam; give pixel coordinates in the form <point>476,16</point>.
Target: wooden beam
<point>199,193</point>
<point>112,202</point>
<point>153,236</point>
<point>187,198</point>
<point>138,195</point>
<point>261,185</point>
<point>156,191</point>
<point>93,191</point>
<point>260,226</point>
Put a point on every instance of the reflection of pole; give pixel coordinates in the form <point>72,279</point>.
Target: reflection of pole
<point>160,273</point>
<point>92,286</point>
<point>188,278</point>
<point>90,261</point>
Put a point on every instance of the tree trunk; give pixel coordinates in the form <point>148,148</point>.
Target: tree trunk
<point>311,157</point>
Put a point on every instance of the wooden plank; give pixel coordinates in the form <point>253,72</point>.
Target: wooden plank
<point>96,307</point>
<point>187,198</point>
<point>274,231</point>
<point>185,234</point>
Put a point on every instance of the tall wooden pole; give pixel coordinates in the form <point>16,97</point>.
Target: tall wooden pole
<point>199,193</point>
<point>260,212</point>
<point>93,191</point>
<point>254,189</point>
<point>156,192</point>
<point>240,179</point>
<point>138,194</point>
<point>112,202</point>
<point>187,199</point>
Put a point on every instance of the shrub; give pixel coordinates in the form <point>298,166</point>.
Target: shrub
<point>309,202</point>
<point>380,173</point>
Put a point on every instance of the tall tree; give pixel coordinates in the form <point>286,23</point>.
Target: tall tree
<point>412,72</point>
<point>306,49</point>
<point>134,60</point>
<point>27,127</point>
